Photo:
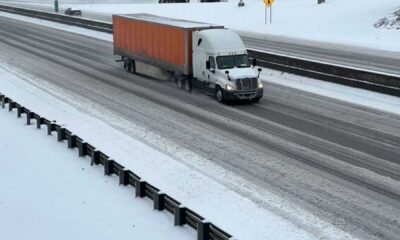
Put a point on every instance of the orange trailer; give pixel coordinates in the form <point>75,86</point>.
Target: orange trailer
<point>159,41</point>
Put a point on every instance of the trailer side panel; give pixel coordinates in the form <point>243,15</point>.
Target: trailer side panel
<point>163,42</point>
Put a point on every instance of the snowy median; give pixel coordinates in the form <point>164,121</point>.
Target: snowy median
<point>47,192</point>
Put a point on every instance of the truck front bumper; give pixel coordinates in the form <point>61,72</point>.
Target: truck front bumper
<point>243,95</point>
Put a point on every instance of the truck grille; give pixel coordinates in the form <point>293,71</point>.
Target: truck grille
<point>246,84</point>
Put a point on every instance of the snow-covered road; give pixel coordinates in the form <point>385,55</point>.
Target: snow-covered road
<point>288,168</point>
<point>318,36</point>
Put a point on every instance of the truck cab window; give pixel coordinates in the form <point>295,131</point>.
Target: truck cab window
<point>212,62</point>
<point>231,61</point>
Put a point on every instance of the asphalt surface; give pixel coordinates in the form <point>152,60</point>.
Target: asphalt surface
<point>352,56</point>
<point>336,160</point>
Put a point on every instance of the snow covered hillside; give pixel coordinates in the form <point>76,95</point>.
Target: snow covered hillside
<point>390,22</point>
<point>84,1</point>
<point>343,22</point>
<point>349,22</point>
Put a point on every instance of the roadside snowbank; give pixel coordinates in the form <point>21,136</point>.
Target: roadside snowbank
<point>348,22</point>
<point>85,1</point>
<point>47,192</point>
<point>390,22</point>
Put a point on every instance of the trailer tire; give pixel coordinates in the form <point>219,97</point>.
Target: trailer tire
<point>219,95</point>
<point>187,84</point>
<point>180,81</point>
<point>129,65</point>
<point>133,66</point>
<point>125,65</point>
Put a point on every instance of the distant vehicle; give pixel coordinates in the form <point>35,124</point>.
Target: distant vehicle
<point>199,55</point>
<point>71,12</point>
<point>173,1</point>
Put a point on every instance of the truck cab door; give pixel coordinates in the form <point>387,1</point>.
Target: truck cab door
<point>210,73</point>
<point>200,67</point>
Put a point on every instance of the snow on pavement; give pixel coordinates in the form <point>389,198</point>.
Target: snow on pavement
<point>40,97</point>
<point>336,91</point>
<point>204,190</point>
<point>48,192</point>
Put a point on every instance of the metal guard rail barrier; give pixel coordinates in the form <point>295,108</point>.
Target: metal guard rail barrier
<point>161,201</point>
<point>74,21</point>
<point>378,82</point>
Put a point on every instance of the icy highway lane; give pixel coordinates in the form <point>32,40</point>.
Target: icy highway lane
<point>351,56</point>
<point>335,160</point>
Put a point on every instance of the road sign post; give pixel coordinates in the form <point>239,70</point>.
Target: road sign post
<point>266,10</point>
<point>270,15</point>
<point>268,4</point>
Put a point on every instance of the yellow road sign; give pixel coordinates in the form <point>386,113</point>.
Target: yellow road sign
<point>268,2</point>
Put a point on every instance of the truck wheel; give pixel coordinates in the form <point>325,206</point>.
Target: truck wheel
<point>179,82</point>
<point>125,65</point>
<point>188,85</point>
<point>219,95</point>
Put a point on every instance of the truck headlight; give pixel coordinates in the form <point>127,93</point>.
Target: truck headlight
<point>229,87</point>
<point>260,84</point>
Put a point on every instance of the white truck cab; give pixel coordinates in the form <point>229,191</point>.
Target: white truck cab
<point>221,64</point>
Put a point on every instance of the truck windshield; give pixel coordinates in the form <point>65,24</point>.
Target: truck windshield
<point>239,61</point>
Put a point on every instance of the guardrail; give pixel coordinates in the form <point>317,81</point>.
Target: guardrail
<point>54,17</point>
<point>161,201</point>
<point>378,82</point>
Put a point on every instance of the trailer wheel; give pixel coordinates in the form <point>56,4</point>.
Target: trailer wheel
<point>219,95</point>
<point>133,66</point>
<point>180,81</point>
<point>125,65</point>
<point>130,66</point>
<point>188,84</point>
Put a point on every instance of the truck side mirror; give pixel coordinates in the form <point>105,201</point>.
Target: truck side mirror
<point>254,62</point>
<point>259,71</point>
<point>208,65</point>
<point>227,73</point>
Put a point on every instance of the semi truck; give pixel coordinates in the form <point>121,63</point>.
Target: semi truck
<point>198,55</point>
